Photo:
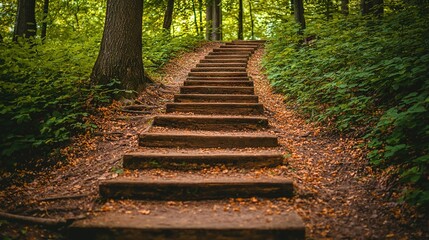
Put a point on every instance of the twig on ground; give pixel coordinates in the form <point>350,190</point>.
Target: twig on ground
<point>33,220</point>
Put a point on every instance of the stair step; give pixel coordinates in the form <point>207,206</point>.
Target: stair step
<point>224,60</point>
<point>174,224</point>
<point>211,122</point>
<point>218,69</point>
<point>217,108</point>
<point>239,46</point>
<point>222,65</point>
<point>142,160</point>
<point>224,57</point>
<point>254,45</point>
<point>194,187</point>
<point>202,78</point>
<point>193,140</point>
<point>234,53</point>
<point>242,49</point>
<point>216,90</point>
<point>217,74</point>
<point>219,98</point>
<point>258,42</point>
<point>218,83</point>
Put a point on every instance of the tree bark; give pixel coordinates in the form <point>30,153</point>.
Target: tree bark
<point>292,7</point>
<point>168,16</point>
<point>345,7</point>
<point>200,9</point>
<point>194,10</point>
<point>374,7</point>
<point>209,19</point>
<point>328,9</point>
<point>240,19</point>
<point>214,20</point>
<point>25,24</point>
<point>120,56</point>
<point>299,13</point>
<point>252,23</point>
<point>217,21</point>
<point>45,19</point>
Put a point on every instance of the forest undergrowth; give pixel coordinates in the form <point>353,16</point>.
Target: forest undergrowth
<point>46,93</point>
<point>365,77</point>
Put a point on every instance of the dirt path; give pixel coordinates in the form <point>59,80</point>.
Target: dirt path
<point>339,197</point>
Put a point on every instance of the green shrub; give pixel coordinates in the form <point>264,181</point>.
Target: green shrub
<point>44,89</point>
<point>159,49</point>
<point>46,95</point>
<point>367,76</point>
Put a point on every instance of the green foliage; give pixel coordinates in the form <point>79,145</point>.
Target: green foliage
<point>44,90</point>
<point>367,76</point>
<point>160,48</point>
<point>46,95</point>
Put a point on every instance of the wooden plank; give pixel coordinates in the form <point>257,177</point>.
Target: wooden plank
<point>235,56</point>
<point>242,49</point>
<point>211,122</point>
<point>190,225</point>
<point>229,45</point>
<point>218,69</point>
<point>217,74</point>
<point>258,42</point>
<point>222,65</point>
<point>215,98</point>
<point>188,140</point>
<point>217,90</point>
<point>254,45</point>
<point>195,189</point>
<point>218,83</point>
<point>225,60</point>
<point>235,53</point>
<point>202,78</point>
<point>217,108</point>
<point>175,160</point>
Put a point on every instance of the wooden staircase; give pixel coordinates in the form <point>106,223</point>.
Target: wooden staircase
<point>215,109</point>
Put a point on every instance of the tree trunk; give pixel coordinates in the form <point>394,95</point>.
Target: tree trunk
<point>374,7</point>
<point>217,20</point>
<point>195,17</point>
<point>345,7</point>
<point>299,13</point>
<point>120,56</point>
<point>252,23</point>
<point>292,7</point>
<point>200,9</point>
<point>209,19</point>
<point>45,19</point>
<point>240,19</point>
<point>168,16</point>
<point>328,9</point>
<point>25,24</point>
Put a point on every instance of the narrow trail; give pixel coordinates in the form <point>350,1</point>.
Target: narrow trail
<point>336,193</point>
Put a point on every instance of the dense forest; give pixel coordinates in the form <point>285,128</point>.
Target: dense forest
<point>358,67</point>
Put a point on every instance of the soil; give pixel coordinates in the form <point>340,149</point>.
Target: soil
<point>338,194</point>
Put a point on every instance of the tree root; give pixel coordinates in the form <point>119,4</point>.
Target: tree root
<point>51,222</point>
